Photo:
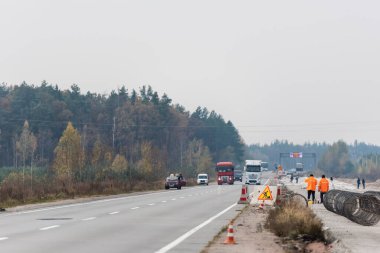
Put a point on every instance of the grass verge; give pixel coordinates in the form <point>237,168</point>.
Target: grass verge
<point>294,221</point>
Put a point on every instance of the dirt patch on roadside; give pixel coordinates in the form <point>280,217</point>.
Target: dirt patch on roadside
<point>250,235</point>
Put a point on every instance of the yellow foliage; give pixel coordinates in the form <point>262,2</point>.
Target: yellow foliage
<point>69,156</point>
<point>120,164</point>
<point>108,156</point>
<point>146,162</point>
<point>27,144</point>
<point>96,153</point>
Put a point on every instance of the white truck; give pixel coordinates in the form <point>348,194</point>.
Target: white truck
<point>252,172</point>
<point>299,169</point>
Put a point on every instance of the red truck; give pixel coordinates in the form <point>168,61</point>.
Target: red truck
<point>225,172</point>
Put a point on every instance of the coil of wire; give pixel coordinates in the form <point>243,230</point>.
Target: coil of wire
<point>360,208</point>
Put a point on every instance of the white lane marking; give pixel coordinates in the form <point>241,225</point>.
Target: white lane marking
<point>266,182</point>
<point>89,218</point>
<point>173,199</point>
<point>164,201</point>
<point>192,231</point>
<point>79,204</point>
<point>114,213</point>
<point>181,197</point>
<point>134,208</point>
<point>151,204</point>
<point>47,228</point>
<point>3,238</point>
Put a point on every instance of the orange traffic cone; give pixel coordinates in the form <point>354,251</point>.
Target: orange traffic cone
<point>244,195</point>
<point>230,235</point>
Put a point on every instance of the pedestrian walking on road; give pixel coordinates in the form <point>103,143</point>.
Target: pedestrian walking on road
<point>332,183</point>
<point>311,186</point>
<point>323,186</point>
<point>363,182</point>
<point>358,182</point>
<point>291,178</point>
<point>297,179</point>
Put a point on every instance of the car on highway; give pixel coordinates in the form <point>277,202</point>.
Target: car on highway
<point>175,181</point>
<point>238,175</point>
<point>202,179</point>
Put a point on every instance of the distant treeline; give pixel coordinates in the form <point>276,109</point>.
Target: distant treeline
<point>136,135</point>
<point>337,159</point>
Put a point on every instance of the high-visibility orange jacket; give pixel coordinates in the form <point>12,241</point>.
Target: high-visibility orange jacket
<point>311,183</point>
<point>323,185</point>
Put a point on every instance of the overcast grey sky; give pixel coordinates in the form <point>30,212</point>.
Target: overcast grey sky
<point>296,70</point>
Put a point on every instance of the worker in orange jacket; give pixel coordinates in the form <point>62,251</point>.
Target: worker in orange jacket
<point>323,186</point>
<point>311,187</point>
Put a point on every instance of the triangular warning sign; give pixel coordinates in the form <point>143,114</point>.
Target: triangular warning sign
<point>266,194</point>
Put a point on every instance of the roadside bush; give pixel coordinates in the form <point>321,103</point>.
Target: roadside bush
<point>294,220</point>
<point>12,187</point>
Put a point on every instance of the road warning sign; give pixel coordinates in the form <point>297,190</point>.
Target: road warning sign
<point>266,194</point>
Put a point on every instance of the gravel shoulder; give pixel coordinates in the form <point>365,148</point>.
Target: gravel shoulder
<point>250,235</point>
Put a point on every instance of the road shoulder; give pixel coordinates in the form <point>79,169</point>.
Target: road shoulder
<point>250,235</point>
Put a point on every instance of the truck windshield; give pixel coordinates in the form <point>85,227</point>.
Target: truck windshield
<point>252,168</point>
<point>224,169</point>
<point>202,177</point>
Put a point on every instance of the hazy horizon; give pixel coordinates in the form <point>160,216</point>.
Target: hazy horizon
<point>296,70</point>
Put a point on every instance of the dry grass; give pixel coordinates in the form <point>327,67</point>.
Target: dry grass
<point>15,191</point>
<point>294,220</point>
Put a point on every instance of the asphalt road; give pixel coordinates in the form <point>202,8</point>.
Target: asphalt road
<point>166,221</point>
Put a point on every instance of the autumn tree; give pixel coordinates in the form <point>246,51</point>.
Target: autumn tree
<point>69,156</point>
<point>97,153</point>
<point>197,158</point>
<point>336,160</point>
<point>26,147</point>
<point>369,166</point>
<point>145,164</point>
<point>119,164</point>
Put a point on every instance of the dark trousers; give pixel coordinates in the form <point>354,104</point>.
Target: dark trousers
<point>312,193</point>
<point>322,194</point>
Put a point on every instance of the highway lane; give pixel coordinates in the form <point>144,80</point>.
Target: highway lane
<point>144,223</point>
